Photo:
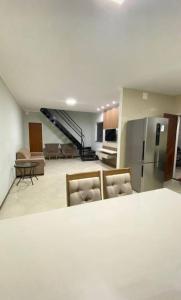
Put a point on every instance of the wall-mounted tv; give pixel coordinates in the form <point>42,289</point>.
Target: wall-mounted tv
<point>110,135</point>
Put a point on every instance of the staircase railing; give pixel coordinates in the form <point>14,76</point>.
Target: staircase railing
<point>73,125</point>
<point>63,121</point>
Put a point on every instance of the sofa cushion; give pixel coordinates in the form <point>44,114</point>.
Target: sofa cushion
<point>84,190</point>
<point>118,185</point>
<point>23,153</point>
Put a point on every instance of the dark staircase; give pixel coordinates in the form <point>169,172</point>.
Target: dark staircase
<point>62,120</point>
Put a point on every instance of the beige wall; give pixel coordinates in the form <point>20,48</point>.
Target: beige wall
<point>134,107</point>
<point>178,105</point>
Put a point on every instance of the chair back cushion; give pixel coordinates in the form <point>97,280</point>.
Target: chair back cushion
<point>118,185</point>
<point>69,149</point>
<point>52,148</point>
<point>23,154</point>
<point>84,190</point>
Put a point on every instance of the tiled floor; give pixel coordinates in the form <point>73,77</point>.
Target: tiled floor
<point>49,192</point>
<point>173,185</point>
<point>178,173</point>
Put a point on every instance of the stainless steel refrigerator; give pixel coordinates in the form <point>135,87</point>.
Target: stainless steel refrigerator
<point>146,146</point>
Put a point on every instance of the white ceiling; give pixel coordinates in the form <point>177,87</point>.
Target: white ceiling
<point>88,49</point>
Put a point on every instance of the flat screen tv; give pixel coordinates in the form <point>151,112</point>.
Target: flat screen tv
<point>111,135</point>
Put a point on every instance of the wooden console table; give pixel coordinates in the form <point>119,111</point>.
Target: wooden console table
<point>108,155</point>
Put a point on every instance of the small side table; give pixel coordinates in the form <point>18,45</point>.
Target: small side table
<point>27,170</point>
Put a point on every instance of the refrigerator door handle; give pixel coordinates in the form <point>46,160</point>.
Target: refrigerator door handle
<point>142,171</point>
<point>143,151</point>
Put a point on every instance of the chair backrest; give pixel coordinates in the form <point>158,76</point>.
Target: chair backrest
<point>83,188</point>
<point>117,183</point>
<point>68,149</point>
<point>52,147</point>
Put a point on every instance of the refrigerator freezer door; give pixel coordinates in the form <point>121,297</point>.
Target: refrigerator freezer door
<point>153,178</point>
<point>155,140</point>
<point>136,177</point>
<point>135,150</point>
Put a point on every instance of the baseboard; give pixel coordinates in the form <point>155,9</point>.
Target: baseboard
<point>7,194</point>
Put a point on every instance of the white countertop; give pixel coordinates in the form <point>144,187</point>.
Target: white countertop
<point>126,248</point>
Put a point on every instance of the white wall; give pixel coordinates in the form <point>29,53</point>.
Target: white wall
<point>134,107</point>
<point>96,118</point>
<point>179,138</point>
<point>119,145</point>
<point>11,138</point>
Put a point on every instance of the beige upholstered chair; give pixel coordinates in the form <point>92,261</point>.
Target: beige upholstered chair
<point>83,188</point>
<point>116,183</point>
<point>52,151</point>
<point>69,150</point>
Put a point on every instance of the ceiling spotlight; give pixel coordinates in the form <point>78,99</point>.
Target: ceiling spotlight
<point>70,101</point>
<point>102,107</point>
<point>120,2</point>
<point>108,105</point>
<point>114,102</point>
<point>98,109</point>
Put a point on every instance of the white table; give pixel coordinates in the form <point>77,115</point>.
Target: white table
<point>126,248</point>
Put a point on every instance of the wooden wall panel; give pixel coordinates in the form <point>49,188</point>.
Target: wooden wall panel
<point>106,120</point>
<point>111,118</point>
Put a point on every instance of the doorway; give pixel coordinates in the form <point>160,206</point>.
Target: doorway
<point>177,160</point>
<point>35,137</point>
<point>171,145</point>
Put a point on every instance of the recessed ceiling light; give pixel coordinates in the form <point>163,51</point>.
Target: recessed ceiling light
<point>118,1</point>
<point>70,101</point>
<point>108,105</point>
<point>114,102</point>
<point>98,109</point>
<point>102,107</point>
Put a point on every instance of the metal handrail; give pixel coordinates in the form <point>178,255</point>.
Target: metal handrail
<point>69,120</point>
<point>63,117</point>
<point>53,118</point>
<point>68,116</point>
<point>82,135</point>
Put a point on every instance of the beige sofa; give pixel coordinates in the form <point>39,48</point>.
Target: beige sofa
<point>24,155</point>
